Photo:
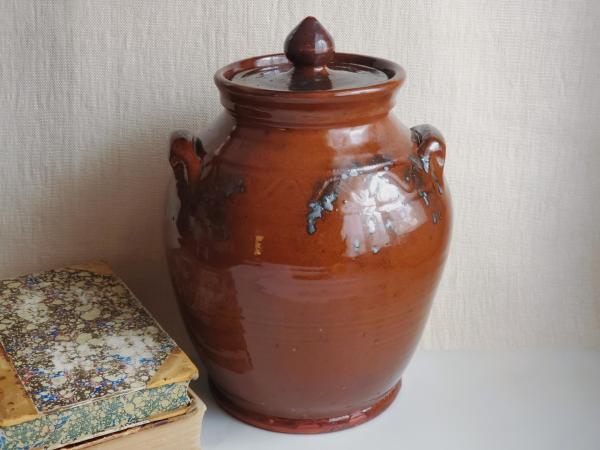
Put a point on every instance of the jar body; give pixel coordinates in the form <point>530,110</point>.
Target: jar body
<point>304,261</point>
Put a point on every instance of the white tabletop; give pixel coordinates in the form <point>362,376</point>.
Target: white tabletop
<point>523,399</point>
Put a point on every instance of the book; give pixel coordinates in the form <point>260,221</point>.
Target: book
<point>81,357</point>
<point>180,432</point>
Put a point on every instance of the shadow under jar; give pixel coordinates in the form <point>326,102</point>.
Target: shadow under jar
<point>307,232</point>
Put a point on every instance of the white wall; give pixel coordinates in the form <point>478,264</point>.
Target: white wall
<point>90,90</point>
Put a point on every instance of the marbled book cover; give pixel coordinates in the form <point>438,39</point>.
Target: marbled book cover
<point>79,357</point>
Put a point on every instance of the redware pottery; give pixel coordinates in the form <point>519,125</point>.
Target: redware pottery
<point>307,234</point>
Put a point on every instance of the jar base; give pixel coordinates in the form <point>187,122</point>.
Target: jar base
<point>304,426</point>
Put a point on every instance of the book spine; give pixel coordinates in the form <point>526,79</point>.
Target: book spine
<point>94,418</point>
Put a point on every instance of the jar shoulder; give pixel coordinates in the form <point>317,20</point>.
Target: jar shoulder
<point>267,194</point>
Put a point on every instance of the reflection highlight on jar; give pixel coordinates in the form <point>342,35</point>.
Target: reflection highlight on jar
<point>348,137</point>
<point>376,210</point>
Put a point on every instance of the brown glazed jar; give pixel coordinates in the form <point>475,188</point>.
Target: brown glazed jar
<point>306,236</point>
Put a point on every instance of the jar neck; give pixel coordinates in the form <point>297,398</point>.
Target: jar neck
<point>317,111</point>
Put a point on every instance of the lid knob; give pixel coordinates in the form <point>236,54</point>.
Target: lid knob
<point>309,45</point>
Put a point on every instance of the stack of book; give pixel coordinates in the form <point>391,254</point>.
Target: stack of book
<point>84,365</point>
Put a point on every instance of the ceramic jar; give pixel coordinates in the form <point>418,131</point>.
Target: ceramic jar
<point>306,236</point>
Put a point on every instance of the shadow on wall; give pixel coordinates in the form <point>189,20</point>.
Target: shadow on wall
<point>140,256</point>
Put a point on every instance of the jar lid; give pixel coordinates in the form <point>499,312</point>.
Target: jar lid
<point>311,64</point>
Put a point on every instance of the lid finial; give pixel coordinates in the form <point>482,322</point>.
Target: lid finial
<point>309,45</point>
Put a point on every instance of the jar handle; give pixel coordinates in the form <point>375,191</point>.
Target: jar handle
<point>431,148</point>
<point>185,156</point>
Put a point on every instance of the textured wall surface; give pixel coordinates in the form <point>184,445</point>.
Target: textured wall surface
<point>90,90</point>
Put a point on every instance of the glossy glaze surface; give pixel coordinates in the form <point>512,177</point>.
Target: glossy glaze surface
<point>306,236</point>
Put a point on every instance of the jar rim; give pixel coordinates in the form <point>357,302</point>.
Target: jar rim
<point>224,78</point>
